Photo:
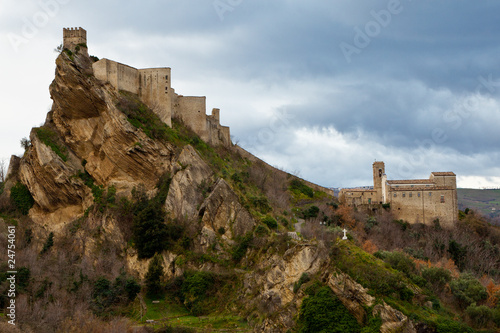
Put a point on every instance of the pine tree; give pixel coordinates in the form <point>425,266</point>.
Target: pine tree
<point>154,276</point>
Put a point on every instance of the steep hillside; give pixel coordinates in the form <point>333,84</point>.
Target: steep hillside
<point>123,224</point>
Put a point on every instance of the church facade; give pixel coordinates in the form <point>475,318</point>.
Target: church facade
<point>415,200</point>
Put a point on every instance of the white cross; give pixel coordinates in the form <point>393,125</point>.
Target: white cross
<point>345,236</point>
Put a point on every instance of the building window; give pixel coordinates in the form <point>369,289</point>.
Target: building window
<point>395,195</point>
<point>442,199</point>
<point>404,195</point>
<point>369,200</point>
<point>418,194</point>
<point>430,194</point>
<point>410,195</point>
<point>166,77</point>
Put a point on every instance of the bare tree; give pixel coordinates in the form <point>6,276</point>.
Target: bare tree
<point>3,170</point>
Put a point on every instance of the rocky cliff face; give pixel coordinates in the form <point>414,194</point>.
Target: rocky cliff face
<point>96,137</point>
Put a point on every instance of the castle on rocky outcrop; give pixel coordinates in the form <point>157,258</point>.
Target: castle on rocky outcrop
<point>415,201</point>
<point>153,86</point>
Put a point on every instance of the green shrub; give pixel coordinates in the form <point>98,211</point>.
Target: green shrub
<point>496,316</point>
<point>437,277</point>
<point>51,139</point>
<point>21,198</point>
<point>479,316</point>
<point>468,289</point>
<point>195,289</point>
<point>261,230</point>
<point>311,212</point>
<point>261,204</point>
<point>304,278</point>
<point>132,287</point>
<point>48,243</point>
<point>403,224</point>
<point>448,326</point>
<point>458,253</point>
<point>270,222</point>
<point>23,277</point>
<point>106,294</point>
<point>373,325</point>
<point>323,312</point>
<point>240,249</point>
<point>297,186</point>
<point>398,261</point>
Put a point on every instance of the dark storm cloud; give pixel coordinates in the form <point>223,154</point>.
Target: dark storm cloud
<point>423,92</point>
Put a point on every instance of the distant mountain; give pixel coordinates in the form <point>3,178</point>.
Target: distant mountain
<point>487,202</point>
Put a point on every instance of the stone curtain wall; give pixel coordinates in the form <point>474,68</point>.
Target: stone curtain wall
<point>156,92</point>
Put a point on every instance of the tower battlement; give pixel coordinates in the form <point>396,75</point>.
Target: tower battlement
<point>74,36</point>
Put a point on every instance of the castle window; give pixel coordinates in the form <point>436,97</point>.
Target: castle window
<point>442,199</point>
<point>418,194</point>
<point>430,194</point>
<point>404,195</point>
<point>410,195</point>
<point>166,77</point>
<point>369,200</point>
<point>395,195</point>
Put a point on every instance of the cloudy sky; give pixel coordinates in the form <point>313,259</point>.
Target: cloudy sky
<point>318,88</point>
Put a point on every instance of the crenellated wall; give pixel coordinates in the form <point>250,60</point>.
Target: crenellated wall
<point>153,86</point>
<point>74,36</point>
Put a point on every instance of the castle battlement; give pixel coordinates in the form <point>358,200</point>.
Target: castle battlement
<point>74,36</point>
<point>153,86</point>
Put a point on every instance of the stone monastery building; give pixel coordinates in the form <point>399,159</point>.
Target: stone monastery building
<point>415,201</point>
<point>153,86</point>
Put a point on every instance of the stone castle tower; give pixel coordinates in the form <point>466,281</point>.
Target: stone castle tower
<point>74,36</point>
<point>378,174</point>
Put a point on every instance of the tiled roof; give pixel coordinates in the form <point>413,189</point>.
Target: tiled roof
<point>410,181</point>
<point>421,188</point>
<point>449,173</point>
<point>357,190</point>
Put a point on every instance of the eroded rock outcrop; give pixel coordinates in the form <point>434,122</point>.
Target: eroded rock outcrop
<point>86,115</point>
<point>393,320</point>
<point>222,209</point>
<point>189,185</point>
<point>276,285</point>
<point>350,293</point>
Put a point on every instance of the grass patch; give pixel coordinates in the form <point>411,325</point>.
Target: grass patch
<point>51,139</point>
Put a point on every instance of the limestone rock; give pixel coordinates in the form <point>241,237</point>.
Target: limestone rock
<point>222,209</point>
<point>393,320</point>
<point>350,293</point>
<point>276,284</point>
<point>186,189</point>
<point>51,181</point>
<point>92,126</point>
